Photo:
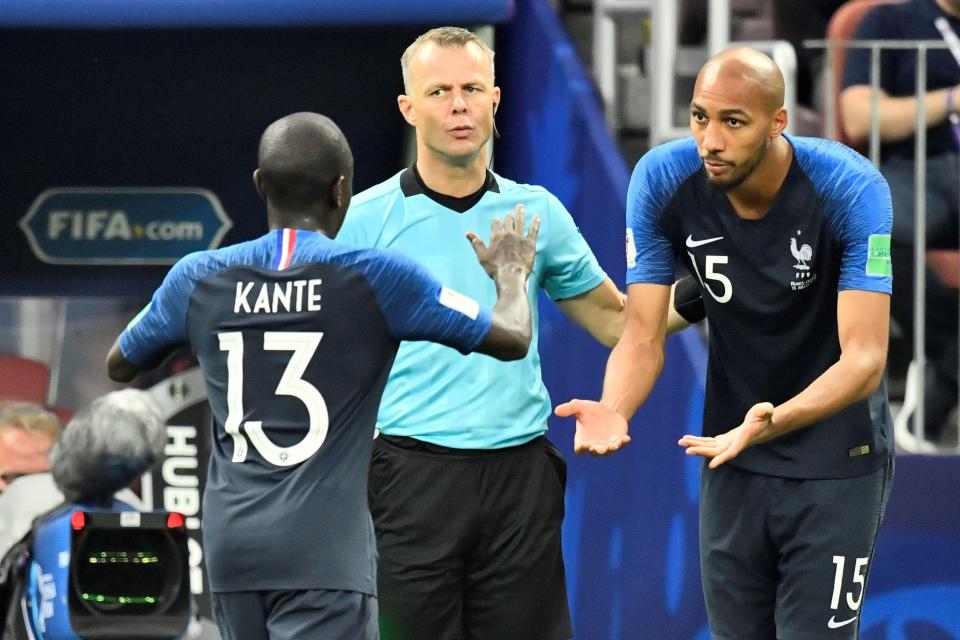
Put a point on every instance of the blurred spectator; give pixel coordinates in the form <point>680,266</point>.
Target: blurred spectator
<point>105,447</point>
<point>27,433</point>
<point>795,22</point>
<point>897,108</point>
<point>789,20</point>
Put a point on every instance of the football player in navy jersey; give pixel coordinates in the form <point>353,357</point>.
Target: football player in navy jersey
<point>295,334</point>
<point>789,239</point>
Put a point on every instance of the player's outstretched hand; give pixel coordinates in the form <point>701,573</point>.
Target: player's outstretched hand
<point>509,247</point>
<point>728,446</point>
<point>600,430</point>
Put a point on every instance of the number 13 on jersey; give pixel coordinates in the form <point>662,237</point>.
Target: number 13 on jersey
<point>303,344</point>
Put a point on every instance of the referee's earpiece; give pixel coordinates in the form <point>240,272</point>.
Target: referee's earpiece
<point>496,134</point>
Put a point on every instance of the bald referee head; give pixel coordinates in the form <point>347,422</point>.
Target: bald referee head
<point>305,173</point>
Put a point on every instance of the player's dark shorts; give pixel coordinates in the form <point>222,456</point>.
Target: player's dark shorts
<point>469,541</point>
<point>787,559</point>
<point>288,615</point>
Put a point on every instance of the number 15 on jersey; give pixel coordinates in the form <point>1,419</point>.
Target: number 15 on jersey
<point>710,273</point>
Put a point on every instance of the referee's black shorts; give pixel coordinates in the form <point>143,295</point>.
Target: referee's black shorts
<point>469,541</point>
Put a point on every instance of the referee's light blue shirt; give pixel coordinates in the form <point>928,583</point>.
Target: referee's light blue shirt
<point>434,393</point>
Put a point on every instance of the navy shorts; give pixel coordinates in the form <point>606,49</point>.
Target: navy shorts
<point>787,559</point>
<point>288,615</point>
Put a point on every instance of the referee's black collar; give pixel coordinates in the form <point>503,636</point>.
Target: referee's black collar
<point>411,184</point>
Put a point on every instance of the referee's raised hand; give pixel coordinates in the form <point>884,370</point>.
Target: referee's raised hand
<point>510,248</point>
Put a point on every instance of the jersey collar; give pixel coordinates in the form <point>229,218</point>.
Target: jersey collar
<point>411,184</point>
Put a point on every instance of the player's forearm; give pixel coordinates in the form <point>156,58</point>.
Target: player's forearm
<point>118,367</point>
<point>852,378</point>
<point>510,331</point>
<point>632,370</point>
<point>897,116</point>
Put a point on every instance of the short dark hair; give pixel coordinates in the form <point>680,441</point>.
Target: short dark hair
<point>301,156</point>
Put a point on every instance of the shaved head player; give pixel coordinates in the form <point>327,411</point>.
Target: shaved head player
<point>295,334</point>
<point>789,239</point>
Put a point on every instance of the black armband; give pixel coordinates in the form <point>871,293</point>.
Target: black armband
<point>688,300</point>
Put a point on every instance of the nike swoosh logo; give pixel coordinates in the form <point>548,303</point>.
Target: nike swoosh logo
<point>691,243</point>
<point>833,624</point>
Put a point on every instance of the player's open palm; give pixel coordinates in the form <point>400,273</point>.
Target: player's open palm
<point>728,446</point>
<point>600,430</point>
<point>509,247</point>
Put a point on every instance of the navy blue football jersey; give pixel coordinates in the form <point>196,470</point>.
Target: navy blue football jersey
<point>295,334</point>
<point>770,290</point>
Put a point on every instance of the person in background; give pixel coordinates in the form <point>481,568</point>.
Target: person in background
<point>27,433</point>
<point>897,110</point>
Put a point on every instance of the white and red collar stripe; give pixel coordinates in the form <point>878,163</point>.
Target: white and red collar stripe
<point>287,243</point>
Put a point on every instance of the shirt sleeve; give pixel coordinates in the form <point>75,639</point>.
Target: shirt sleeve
<point>418,307</point>
<point>162,325</point>
<point>865,224</point>
<point>857,202</point>
<point>650,256</point>
<point>355,231</point>
<point>876,25</point>
<point>570,268</point>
